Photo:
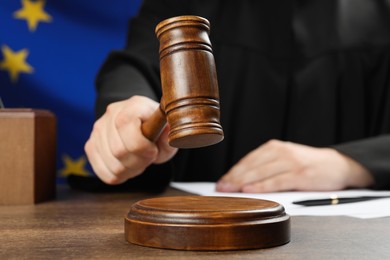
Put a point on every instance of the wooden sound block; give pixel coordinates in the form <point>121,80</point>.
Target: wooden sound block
<point>207,223</point>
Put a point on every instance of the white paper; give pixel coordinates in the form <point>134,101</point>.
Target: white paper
<point>366,209</point>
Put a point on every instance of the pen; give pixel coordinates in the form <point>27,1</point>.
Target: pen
<point>334,200</point>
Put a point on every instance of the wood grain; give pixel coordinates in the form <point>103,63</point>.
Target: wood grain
<point>190,100</point>
<point>207,223</point>
<point>27,156</point>
<point>80,225</point>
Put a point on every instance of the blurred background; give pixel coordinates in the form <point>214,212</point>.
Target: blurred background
<point>50,54</point>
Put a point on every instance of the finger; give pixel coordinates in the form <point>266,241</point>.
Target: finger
<point>98,165</point>
<point>243,172</point>
<point>255,174</point>
<point>263,155</point>
<point>128,123</point>
<point>111,149</point>
<point>292,181</point>
<point>281,182</point>
<point>130,147</point>
<point>104,135</point>
<point>127,143</point>
<point>165,151</point>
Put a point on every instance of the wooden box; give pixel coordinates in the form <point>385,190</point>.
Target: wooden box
<point>27,156</point>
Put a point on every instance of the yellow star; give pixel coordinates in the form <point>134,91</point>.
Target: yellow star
<point>76,167</point>
<point>15,62</point>
<point>33,13</point>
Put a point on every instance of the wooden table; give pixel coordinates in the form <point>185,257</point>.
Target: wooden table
<point>79,225</point>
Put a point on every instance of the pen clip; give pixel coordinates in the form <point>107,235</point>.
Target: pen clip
<point>334,199</point>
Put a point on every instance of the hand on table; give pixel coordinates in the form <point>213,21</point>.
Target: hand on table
<point>117,149</point>
<point>285,166</point>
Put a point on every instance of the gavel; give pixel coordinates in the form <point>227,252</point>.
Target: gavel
<point>190,96</point>
<point>190,104</point>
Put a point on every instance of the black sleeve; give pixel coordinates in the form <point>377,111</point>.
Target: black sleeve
<point>374,154</point>
<point>135,69</point>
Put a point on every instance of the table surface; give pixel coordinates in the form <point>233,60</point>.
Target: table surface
<point>80,225</point>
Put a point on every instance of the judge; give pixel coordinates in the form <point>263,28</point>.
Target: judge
<point>304,90</point>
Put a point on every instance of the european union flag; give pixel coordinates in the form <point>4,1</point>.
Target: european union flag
<point>50,52</point>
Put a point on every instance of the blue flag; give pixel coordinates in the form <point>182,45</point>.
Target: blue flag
<point>50,53</point>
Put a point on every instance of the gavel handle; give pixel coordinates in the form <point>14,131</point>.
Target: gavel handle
<point>153,127</point>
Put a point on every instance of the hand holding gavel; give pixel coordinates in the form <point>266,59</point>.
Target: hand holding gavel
<point>129,136</point>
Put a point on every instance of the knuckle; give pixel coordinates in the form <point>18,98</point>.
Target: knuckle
<point>119,152</point>
<point>136,98</point>
<point>117,175</point>
<point>282,147</point>
<point>112,180</point>
<point>97,126</point>
<point>118,170</point>
<point>135,149</point>
<point>274,142</point>
<point>111,108</point>
<point>305,172</point>
<point>121,119</point>
<point>88,147</point>
<point>275,145</point>
<point>143,150</point>
<point>123,174</point>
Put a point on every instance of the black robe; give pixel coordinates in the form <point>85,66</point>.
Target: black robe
<point>314,72</point>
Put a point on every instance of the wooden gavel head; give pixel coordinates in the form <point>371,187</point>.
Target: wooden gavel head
<point>190,100</point>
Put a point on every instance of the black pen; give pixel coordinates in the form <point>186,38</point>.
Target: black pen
<point>334,200</point>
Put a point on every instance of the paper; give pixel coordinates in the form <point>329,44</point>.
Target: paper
<point>366,209</point>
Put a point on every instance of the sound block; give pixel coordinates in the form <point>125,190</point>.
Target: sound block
<point>207,223</point>
<point>27,156</point>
